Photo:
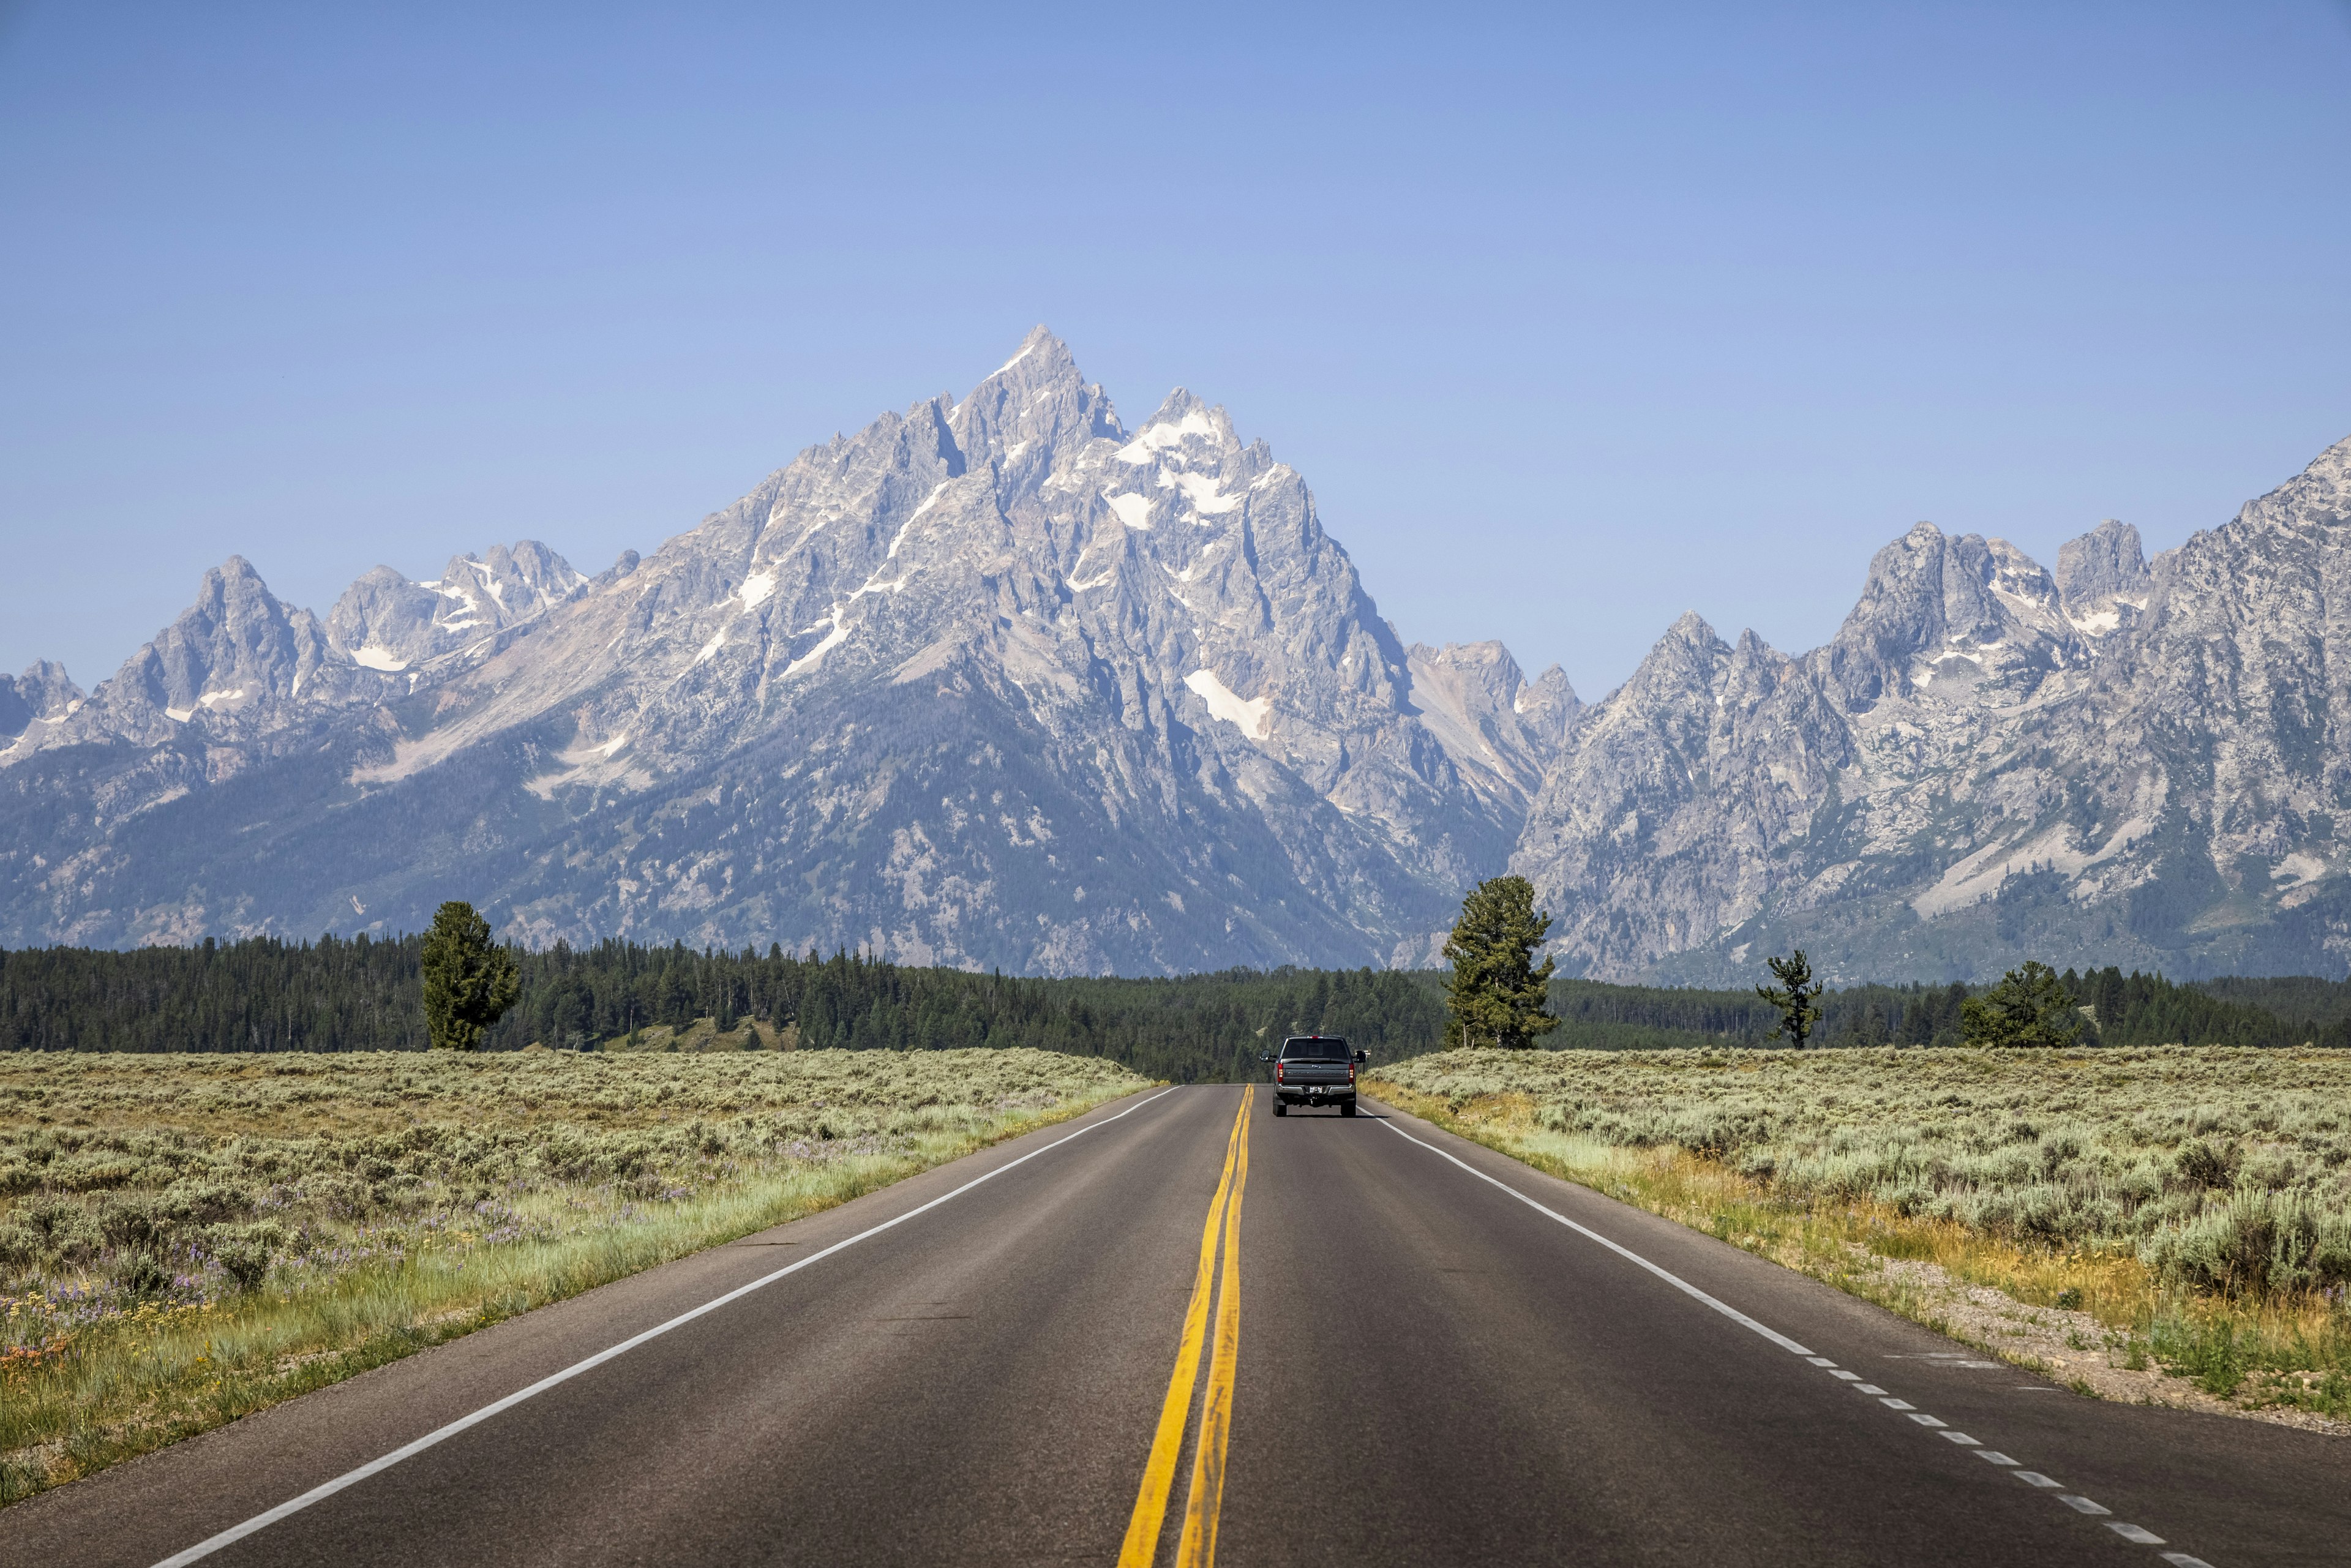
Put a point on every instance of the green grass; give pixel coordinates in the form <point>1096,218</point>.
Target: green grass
<point>184,1240</point>
<point>2197,1202</point>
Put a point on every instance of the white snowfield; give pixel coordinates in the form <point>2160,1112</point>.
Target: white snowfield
<point>1154,439</point>
<point>1254,717</point>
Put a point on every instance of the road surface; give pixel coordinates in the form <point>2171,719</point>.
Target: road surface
<point>1180,1329</point>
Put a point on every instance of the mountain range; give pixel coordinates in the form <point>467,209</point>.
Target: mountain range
<point>1001,682</point>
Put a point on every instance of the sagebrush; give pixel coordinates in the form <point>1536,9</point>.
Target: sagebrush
<point>183,1239</point>
<point>2224,1169</point>
<point>2191,1201</point>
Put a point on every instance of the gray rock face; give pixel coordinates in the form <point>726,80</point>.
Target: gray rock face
<point>383,621</point>
<point>2103,578</point>
<point>240,666</point>
<point>2118,764</point>
<point>236,656</point>
<point>996,681</point>
<point>1001,680</point>
<point>41,696</point>
<point>1500,731</point>
<point>1665,816</point>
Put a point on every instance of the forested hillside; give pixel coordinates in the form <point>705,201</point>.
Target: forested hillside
<point>363,995</point>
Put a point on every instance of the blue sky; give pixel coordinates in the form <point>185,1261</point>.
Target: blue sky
<point>1574,318</point>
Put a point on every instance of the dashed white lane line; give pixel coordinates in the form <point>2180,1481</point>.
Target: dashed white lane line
<point>2137,1535</point>
<point>237,1532</point>
<point>2080,1504</point>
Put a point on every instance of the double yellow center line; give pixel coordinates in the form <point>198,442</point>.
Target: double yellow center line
<point>1197,1548</point>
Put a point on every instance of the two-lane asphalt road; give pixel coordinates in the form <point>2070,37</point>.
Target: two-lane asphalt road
<point>1178,1330</point>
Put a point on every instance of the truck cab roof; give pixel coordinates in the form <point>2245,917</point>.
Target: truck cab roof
<point>1314,1048</point>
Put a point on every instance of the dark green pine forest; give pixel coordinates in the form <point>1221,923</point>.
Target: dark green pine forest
<point>365,995</point>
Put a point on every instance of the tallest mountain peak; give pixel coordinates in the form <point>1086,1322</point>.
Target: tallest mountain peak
<point>1040,357</point>
<point>1038,396</point>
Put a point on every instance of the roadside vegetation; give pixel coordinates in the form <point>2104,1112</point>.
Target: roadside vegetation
<point>186,1238</point>
<point>2191,1206</point>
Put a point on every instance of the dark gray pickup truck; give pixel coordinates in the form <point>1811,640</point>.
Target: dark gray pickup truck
<point>1314,1070</point>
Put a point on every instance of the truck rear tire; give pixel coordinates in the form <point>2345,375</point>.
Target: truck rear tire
<point>1281,1108</point>
<point>1347,1109</point>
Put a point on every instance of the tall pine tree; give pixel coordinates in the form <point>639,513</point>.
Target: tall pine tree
<point>1496,994</point>
<point>469,980</point>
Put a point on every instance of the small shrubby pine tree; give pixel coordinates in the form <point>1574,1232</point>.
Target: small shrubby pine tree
<point>1794,996</point>
<point>1497,992</point>
<point>469,980</point>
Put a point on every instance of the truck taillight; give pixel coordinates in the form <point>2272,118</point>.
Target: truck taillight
<point>1350,1073</point>
<point>1276,1073</point>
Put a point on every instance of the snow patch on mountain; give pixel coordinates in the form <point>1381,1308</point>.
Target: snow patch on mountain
<point>1166,435</point>
<point>1253,717</point>
<point>1205,494</point>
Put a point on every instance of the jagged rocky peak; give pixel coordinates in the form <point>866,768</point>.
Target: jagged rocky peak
<point>1183,423</point>
<point>1478,678</point>
<point>1034,402</point>
<point>1684,661</point>
<point>1949,618</point>
<point>1185,470</point>
<point>2316,498</point>
<point>2102,578</point>
<point>1489,680</point>
<point>42,694</point>
<point>385,622</point>
<point>235,647</point>
<point>234,657</point>
<point>1472,697</point>
<point>1670,690</point>
<point>519,582</point>
<point>1548,705</point>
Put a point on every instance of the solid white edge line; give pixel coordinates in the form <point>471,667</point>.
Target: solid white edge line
<point>1675,1280</point>
<point>1728,1310</point>
<point>259,1521</point>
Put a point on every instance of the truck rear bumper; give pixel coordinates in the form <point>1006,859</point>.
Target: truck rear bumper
<point>1314,1094</point>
